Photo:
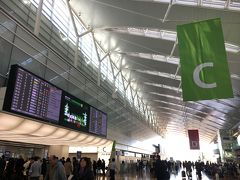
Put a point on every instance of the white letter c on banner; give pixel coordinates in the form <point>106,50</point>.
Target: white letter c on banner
<point>196,77</point>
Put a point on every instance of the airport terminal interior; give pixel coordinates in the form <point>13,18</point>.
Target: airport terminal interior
<point>119,89</point>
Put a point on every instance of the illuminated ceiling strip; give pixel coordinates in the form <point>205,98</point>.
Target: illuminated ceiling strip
<point>168,96</point>
<point>181,106</point>
<point>193,109</point>
<point>157,73</point>
<point>166,35</point>
<point>162,86</point>
<point>185,113</point>
<point>197,103</point>
<point>216,4</point>
<point>172,76</point>
<point>235,76</point>
<point>155,57</point>
<point>168,59</point>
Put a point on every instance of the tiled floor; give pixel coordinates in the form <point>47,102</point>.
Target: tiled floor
<point>146,176</point>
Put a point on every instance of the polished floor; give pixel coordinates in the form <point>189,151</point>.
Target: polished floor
<point>145,175</point>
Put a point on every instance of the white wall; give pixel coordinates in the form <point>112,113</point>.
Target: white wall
<point>59,151</point>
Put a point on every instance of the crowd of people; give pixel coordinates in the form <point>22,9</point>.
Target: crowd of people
<point>47,169</point>
<point>54,168</point>
<point>162,169</point>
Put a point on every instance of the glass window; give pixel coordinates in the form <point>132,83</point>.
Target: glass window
<point>56,11</point>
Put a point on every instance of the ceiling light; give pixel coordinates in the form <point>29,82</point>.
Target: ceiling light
<point>64,38</point>
<point>123,62</point>
<point>214,4</point>
<point>169,35</point>
<point>232,48</point>
<point>163,86</point>
<point>172,35</point>
<point>157,73</point>
<point>168,96</point>
<point>162,1</point>
<point>187,2</point>
<point>234,6</point>
<point>27,2</point>
<point>235,76</point>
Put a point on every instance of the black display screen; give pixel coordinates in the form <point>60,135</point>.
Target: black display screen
<point>98,122</point>
<point>30,95</point>
<point>75,113</point>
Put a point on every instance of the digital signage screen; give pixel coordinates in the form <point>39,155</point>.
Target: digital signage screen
<point>30,95</point>
<point>98,122</point>
<point>75,113</point>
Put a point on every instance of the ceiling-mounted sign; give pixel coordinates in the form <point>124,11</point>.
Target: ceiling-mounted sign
<point>204,67</point>
<point>30,95</point>
<point>98,122</point>
<point>193,136</point>
<point>75,113</point>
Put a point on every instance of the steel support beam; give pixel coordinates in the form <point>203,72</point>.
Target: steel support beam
<point>168,10</point>
<point>38,18</point>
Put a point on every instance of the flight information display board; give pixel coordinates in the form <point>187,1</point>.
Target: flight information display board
<point>75,113</point>
<point>32,96</point>
<point>98,122</point>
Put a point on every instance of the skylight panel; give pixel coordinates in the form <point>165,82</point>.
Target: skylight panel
<point>165,95</point>
<point>232,48</point>
<point>158,57</point>
<point>162,1</point>
<point>157,73</point>
<point>155,57</point>
<point>169,35</point>
<point>172,60</point>
<point>163,86</point>
<point>187,2</point>
<point>235,76</point>
<point>152,33</point>
<point>172,35</point>
<point>234,5</point>
<point>214,4</point>
<point>136,31</point>
<point>144,55</point>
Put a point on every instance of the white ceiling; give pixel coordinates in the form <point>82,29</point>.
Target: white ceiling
<point>135,30</point>
<point>16,128</point>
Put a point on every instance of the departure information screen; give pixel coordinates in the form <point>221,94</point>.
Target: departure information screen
<point>31,96</point>
<point>98,122</point>
<point>35,97</point>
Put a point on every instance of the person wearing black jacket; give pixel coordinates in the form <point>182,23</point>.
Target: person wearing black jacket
<point>161,169</point>
<point>84,170</point>
<point>44,167</point>
<point>2,165</point>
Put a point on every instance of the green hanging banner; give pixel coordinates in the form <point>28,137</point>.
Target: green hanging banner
<point>113,152</point>
<point>203,60</point>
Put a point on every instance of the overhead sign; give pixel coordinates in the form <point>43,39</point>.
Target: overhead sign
<point>193,139</point>
<point>75,113</point>
<point>204,67</point>
<point>30,95</point>
<point>98,122</point>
